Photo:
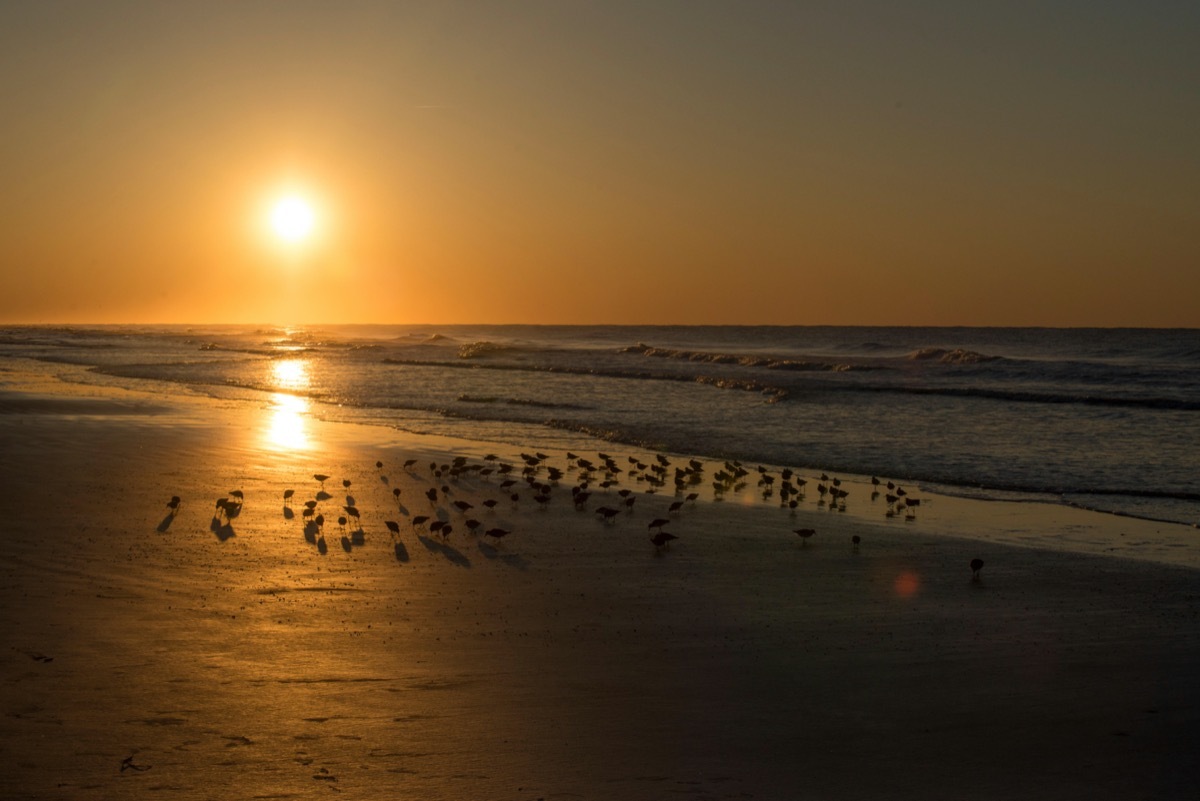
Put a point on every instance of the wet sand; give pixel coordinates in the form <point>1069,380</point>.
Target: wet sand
<point>151,654</point>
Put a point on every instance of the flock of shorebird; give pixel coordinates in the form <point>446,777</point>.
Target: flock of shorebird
<point>534,477</point>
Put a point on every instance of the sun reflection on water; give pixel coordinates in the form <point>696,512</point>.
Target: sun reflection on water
<point>290,375</point>
<point>287,428</point>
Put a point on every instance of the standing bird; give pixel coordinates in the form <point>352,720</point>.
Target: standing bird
<point>805,534</point>
<point>855,540</point>
<point>287,495</point>
<point>392,526</point>
<point>976,566</point>
<point>662,540</point>
<point>322,478</point>
<point>173,504</point>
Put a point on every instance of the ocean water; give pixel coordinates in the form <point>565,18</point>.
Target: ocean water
<point>1107,419</point>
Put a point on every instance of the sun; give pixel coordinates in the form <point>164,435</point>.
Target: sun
<point>293,218</point>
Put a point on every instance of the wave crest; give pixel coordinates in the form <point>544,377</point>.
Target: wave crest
<point>950,356</point>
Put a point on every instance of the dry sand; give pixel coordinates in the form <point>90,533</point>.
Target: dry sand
<point>150,655</point>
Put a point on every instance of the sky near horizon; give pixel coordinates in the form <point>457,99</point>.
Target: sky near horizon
<point>854,163</point>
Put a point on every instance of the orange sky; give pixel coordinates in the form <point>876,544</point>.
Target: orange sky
<point>666,162</point>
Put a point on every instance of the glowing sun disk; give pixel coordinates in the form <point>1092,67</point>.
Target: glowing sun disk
<point>293,218</point>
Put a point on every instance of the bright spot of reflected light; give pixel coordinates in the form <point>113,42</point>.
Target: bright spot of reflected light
<point>287,429</point>
<point>290,374</point>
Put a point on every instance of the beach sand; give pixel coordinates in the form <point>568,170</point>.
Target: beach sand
<point>170,656</point>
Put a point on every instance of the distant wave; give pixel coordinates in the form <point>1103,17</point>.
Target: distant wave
<point>948,356</point>
<point>475,350</point>
<point>517,402</point>
<point>214,346</point>
<point>772,394</point>
<point>740,360</point>
<point>1024,396</point>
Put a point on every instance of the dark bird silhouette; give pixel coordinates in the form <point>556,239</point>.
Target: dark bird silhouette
<point>658,522</point>
<point>173,504</point>
<point>431,494</point>
<point>346,483</point>
<point>608,513</point>
<point>396,493</point>
<point>322,478</point>
<point>490,503</point>
<point>855,540</point>
<point>409,463</point>
<point>287,495</point>
<point>662,539</point>
<point>392,526</point>
<point>674,507</point>
<point>496,533</point>
<point>436,526</point>
<point>238,494</point>
<point>463,506</point>
<point>976,566</point>
<point>420,520</point>
<point>379,465</point>
<point>805,534</point>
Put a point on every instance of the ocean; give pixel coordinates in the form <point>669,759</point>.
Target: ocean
<point>1105,419</point>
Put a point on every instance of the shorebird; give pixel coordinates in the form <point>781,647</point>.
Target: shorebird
<point>658,522</point>
<point>804,534</point>
<point>855,540</point>
<point>346,483</point>
<point>431,494</point>
<point>173,504</point>
<point>409,463</point>
<point>608,513</point>
<point>463,506</point>
<point>287,495</point>
<point>976,566</point>
<point>392,526</point>
<point>496,533</point>
<point>322,478</point>
<point>396,493</point>
<point>420,520</point>
<point>662,539</point>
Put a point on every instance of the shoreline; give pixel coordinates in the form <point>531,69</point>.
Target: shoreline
<point>191,655</point>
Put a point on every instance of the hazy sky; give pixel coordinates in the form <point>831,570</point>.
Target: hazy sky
<point>1014,163</point>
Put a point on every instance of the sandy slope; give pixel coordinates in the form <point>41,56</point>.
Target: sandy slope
<point>570,661</point>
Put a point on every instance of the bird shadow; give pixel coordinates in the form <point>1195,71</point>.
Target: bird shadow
<point>358,537</point>
<point>401,552</point>
<point>451,553</point>
<point>311,530</point>
<point>288,514</point>
<point>510,559</point>
<point>224,531</point>
<point>347,546</point>
<point>166,523</point>
<point>384,479</point>
<point>350,501</point>
<point>322,547</point>
<point>403,509</point>
<point>323,496</point>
